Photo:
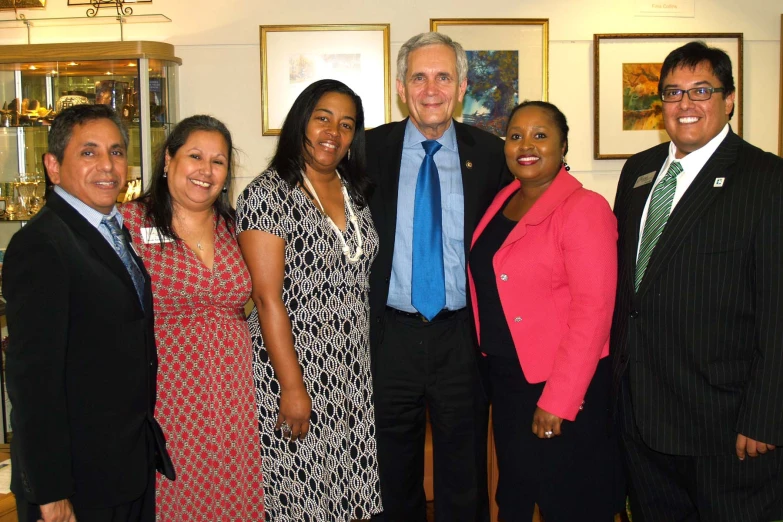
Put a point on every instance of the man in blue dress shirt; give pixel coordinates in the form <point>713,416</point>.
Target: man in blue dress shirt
<point>434,179</point>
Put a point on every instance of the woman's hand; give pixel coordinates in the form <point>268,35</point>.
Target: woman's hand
<point>546,425</point>
<point>295,407</point>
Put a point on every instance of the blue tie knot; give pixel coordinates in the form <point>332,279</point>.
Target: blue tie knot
<point>431,147</point>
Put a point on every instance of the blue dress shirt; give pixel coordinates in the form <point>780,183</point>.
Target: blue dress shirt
<point>453,208</point>
<point>90,214</point>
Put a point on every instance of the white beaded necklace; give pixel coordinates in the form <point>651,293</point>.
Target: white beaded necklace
<point>353,259</point>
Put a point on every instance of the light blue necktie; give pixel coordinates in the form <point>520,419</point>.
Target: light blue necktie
<point>122,248</point>
<point>428,284</point>
<point>657,216</point>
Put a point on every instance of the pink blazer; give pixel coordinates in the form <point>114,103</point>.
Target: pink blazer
<point>556,275</point>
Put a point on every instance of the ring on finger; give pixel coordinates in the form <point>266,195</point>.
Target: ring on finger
<point>285,427</point>
<point>548,434</point>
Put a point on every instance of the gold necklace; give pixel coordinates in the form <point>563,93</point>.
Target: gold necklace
<point>189,234</point>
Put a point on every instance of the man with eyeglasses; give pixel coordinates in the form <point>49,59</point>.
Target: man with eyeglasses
<point>697,335</point>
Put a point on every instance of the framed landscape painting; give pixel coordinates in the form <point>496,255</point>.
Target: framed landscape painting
<point>628,110</point>
<point>497,80</point>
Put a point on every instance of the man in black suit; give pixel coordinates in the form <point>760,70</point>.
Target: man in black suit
<point>81,363</point>
<point>698,327</point>
<point>421,334</point>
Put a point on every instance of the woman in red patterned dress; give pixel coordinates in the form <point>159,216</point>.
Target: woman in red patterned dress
<point>183,229</point>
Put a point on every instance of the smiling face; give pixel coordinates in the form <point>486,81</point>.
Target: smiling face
<point>198,170</point>
<point>534,148</point>
<point>330,132</point>
<point>94,165</point>
<point>692,124</point>
<point>431,89</point>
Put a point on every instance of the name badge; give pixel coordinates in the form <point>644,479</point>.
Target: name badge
<point>150,236</point>
<point>645,179</point>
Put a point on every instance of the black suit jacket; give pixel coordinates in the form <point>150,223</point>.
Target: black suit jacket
<point>484,173</point>
<point>81,365</point>
<point>702,339</point>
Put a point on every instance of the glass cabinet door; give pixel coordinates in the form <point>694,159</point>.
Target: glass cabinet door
<point>141,89</point>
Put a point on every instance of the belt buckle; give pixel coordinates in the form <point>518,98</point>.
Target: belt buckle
<point>424,319</point>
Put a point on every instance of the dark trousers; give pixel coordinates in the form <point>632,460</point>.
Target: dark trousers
<point>140,510</point>
<point>715,488</point>
<point>573,477</point>
<point>420,366</point>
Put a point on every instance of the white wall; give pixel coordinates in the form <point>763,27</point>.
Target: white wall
<point>218,41</point>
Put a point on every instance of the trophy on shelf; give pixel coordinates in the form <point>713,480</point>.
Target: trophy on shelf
<point>26,186</point>
<point>11,205</point>
<point>39,195</point>
<point>3,193</point>
<point>26,190</point>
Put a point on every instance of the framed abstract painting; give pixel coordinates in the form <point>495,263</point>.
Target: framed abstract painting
<point>508,62</point>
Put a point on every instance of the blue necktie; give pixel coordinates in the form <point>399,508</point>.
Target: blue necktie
<point>428,285</point>
<point>122,248</point>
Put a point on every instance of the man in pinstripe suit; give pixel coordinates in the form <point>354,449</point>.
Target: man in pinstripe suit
<point>697,335</point>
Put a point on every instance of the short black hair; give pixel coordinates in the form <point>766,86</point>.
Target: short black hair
<point>556,114</point>
<point>694,53</point>
<point>289,160</point>
<point>157,198</point>
<point>62,127</point>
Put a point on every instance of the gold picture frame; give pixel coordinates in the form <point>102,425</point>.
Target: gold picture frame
<point>497,48</point>
<point>613,137</point>
<point>10,5</point>
<point>294,56</point>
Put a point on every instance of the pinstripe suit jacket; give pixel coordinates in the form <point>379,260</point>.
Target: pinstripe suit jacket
<point>702,339</point>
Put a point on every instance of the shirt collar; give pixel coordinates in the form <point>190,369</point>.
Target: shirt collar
<point>414,137</point>
<point>87,212</point>
<point>694,161</point>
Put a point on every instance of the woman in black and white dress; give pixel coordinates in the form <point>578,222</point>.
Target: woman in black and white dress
<point>308,239</point>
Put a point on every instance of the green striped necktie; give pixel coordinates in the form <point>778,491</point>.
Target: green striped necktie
<point>657,215</point>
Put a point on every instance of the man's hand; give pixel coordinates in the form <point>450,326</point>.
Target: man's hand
<point>754,448</point>
<point>59,511</point>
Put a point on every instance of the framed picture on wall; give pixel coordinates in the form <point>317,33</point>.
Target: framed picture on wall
<point>22,4</point>
<point>294,56</point>
<point>628,114</point>
<point>508,62</point>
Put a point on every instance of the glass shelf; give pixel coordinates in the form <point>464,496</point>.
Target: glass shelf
<point>21,23</point>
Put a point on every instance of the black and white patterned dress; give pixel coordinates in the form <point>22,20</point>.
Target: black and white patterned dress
<point>333,474</point>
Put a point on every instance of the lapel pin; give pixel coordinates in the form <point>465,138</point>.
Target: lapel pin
<point>718,182</point>
<point>469,164</point>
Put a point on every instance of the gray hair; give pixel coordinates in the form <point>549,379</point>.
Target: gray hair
<point>431,38</point>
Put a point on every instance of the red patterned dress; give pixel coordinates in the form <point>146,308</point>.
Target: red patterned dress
<point>206,397</point>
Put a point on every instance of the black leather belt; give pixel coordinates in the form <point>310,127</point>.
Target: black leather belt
<point>442,315</point>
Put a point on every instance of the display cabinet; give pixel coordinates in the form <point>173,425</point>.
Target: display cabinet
<point>138,79</point>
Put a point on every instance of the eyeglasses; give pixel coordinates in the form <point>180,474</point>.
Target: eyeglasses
<point>695,94</point>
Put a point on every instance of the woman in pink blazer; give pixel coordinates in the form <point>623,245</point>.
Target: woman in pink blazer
<point>542,274</point>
